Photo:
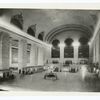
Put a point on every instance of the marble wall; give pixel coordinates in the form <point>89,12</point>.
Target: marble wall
<point>37,54</point>
<point>96,49</point>
<point>4,50</point>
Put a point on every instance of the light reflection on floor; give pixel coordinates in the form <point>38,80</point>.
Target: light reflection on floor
<point>83,72</point>
<point>82,81</point>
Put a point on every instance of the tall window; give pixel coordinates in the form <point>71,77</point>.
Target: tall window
<point>68,50</point>
<point>28,52</point>
<point>14,51</point>
<point>55,50</point>
<point>83,51</point>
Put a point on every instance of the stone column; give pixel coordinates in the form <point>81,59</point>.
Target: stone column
<point>40,56</point>
<point>94,53</point>
<point>44,56</point>
<point>48,54</point>
<point>61,54</point>
<point>4,50</point>
<point>76,54</point>
<point>22,54</point>
<point>90,53</point>
<point>96,31</point>
<point>97,49</point>
<point>36,58</point>
<point>33,59</point>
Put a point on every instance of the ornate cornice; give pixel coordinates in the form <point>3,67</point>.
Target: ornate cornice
<point>68,27</point>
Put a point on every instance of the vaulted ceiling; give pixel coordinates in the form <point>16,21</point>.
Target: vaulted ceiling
<point>54,21</point>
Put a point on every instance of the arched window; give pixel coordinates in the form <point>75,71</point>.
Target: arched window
<point>68,49</point>
<point>17,20</point>
<point>83,51</point>
<point>55,50</point>
<point>40,36</point>
<point>32,30</point>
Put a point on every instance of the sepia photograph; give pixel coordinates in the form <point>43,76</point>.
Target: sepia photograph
<point>49,50</point>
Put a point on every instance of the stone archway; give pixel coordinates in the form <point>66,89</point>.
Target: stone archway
<point>69,27</point>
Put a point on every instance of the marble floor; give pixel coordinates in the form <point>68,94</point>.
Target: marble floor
<point>82,81</point>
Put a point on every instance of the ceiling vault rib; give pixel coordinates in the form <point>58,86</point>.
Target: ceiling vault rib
<point>68,27</point>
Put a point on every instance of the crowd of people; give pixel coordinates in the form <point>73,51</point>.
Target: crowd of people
<point>94,68</point>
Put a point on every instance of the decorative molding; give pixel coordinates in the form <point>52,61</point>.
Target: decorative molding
<point>10,29</point>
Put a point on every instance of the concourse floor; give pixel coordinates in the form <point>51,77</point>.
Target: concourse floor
<point>82,81</point>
